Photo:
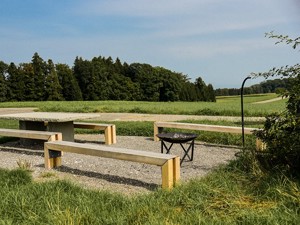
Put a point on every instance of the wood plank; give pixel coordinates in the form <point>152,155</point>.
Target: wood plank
<point>95,126</point>
<point>167,175</point>
<point>110,152</point>
<point>114,134</point>
<point>205,127</point>
<point>40,135</point>
<point>107,135</point>
<point>176,169</point>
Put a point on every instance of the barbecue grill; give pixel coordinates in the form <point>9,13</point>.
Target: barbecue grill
<point>179,138</point>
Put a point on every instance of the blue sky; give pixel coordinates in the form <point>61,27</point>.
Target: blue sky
<point>221,41</point>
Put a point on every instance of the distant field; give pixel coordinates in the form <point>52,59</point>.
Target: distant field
<point>226,106</point>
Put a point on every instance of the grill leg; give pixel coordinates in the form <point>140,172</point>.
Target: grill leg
<point>186,152</point>
<point>163,145</point>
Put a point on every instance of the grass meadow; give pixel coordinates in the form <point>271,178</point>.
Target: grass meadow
<point>225,106</point>
<point>239,193</point>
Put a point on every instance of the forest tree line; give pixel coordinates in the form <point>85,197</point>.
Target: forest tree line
<point>97,79</point>
<point>269,86</point>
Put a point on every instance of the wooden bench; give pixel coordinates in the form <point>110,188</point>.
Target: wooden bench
<point>109,130</point>
<point>170,164</point>
<point>31,134</point>
<point>158,128</point>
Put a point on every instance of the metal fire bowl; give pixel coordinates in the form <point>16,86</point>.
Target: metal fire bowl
<point>177,137</point>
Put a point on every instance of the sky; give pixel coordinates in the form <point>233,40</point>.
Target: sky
<point>221,41</point>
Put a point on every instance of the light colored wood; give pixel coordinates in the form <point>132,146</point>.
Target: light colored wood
<point>30,134</point>
<point>110,152</point>
<point>114,134</point>
<point>176,169</point>
<point>204,127</point>
<point>167,175</point>
<point>109,130</point>
<point>108,135</point>
<point>170,171</point>
<point>260,145</point>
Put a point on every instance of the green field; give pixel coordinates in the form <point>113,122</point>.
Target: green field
<point>225,106</point>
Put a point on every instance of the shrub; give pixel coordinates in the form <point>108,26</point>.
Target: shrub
<point>281,132</point>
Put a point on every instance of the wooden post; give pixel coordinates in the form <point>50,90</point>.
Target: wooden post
<point>108,135</point>
<point>52,162</point>
<point>176,169</point>
<point>114,134</point>
<point>167,174</point>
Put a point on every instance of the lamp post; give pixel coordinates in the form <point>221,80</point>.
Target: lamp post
<point>242,109</point>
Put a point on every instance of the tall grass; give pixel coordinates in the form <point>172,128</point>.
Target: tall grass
<point>226,196</point>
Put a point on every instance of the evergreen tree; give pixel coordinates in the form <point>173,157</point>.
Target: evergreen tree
<point>15,83</point>
<point>39,67</point>
<point>211,97</point>
<point>3,86</point>
<point>70,87</point>
<point>26,71</point>
<point>201,89</point>
<point>52,87</point>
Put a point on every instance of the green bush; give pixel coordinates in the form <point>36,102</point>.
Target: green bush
<point>281,132</point>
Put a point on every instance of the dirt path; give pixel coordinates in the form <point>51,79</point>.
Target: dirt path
<point>267,101</point>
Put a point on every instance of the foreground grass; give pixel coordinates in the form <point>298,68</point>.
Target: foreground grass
<point>226,196</point>
<point>229,106</point>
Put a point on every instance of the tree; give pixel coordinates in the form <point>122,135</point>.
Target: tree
<point>3,86</point>
<point>70,87</point>
<point>52,86</point>
<point>39,67</point>
<point>15,83</point>
<point>211,97</point>
<point>201,89</point>
<point>281,132</point>
<point>26,71</point>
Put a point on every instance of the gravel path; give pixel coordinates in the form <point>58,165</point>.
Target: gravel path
<point>114,175</point>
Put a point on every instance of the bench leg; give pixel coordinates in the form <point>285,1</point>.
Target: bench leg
<point>51,162</point>
<point>171,173</point>
<point>176,170</point>
<point>156,131</point>
<point>107,135</point>
<point>110,135</point>
<point>55,161</point>
<point>114,134</point>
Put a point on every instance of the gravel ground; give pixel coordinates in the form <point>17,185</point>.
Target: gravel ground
<point>114,175</point>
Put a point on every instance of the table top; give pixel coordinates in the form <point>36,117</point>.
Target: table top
<point>49,116</point>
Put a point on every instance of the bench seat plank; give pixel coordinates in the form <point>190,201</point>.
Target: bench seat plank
<point>204,127</point>
<point>30,134</point>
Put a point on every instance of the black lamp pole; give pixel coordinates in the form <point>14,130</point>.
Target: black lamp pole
<point>242,109</point>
